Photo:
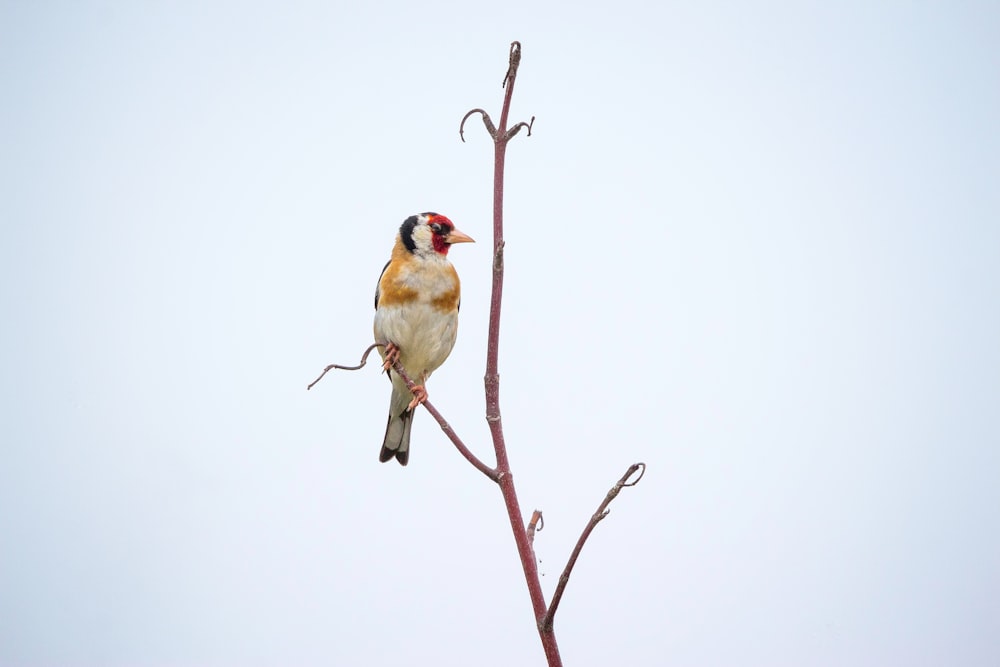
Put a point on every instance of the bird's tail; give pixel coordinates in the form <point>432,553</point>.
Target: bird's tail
<point>397,437</point>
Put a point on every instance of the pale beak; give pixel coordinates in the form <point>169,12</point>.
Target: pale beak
<point>456,236</point>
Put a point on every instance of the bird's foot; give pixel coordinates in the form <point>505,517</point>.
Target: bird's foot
<point>419,396</point>
<point>391,356</point>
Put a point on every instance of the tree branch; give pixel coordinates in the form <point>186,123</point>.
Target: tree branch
<point>492,473</point>
<point>602,511</point>
<point>529,565</point>
<point>442,422</point>
<point>364,360</point>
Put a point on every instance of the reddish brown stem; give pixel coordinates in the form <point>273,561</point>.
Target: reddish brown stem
<point>492,379</point>
<point>364,360</point>
<point>448,431</point>
<point>445,426</point>
<point>602,511</point>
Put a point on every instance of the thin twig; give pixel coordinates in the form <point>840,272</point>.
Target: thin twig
<point>445,426</point>
<point>492,473</point>
<point>602,511</point>
<point>364,360</point>
<point>517,128</point>
<point>536,523</point>
<point>486,121</point>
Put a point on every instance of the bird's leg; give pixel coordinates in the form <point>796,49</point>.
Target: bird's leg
<point>419,394</point>
<point>391,356</point>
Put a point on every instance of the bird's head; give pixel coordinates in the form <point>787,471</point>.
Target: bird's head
<point>428,234</point>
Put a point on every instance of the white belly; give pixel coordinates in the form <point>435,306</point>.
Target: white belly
<point>424,334</point>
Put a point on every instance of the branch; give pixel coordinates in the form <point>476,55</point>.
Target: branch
<point>517,128</point>
<point>445,426</point>
<point>602,511</point>
<point>492,473</point>
<point>364,360</point>
<point>501,136</point>
<point>486,121</point>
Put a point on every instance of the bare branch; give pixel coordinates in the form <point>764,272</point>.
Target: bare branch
<point>491,380</point>
<point>445,426</point>
<point>364,360</point>
<point>517,128</point>
<point>486,121</point>
<point>448,431</point>
<point>503,135</point>
<point>602,511</point>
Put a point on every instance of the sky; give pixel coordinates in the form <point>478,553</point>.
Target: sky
<point>752,245</point>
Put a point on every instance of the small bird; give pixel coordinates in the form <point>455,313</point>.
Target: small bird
<point>416,318</point>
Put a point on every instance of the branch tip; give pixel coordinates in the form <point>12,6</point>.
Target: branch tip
<point>514,62</point>
<point>330,367</point>
<point>487,121</point>
<point>641,467</point>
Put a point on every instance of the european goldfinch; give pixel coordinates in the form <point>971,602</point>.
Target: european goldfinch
<point>416,318</point>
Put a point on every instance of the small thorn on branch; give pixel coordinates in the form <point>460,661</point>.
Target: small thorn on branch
<point>490,127</point>
<point>364,360</point>
<point>537,523</point>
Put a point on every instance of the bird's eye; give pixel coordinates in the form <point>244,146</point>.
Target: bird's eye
<point>436,228</point>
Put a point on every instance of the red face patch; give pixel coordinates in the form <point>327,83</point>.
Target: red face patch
<point>441,227</point>
<point>440,245</point>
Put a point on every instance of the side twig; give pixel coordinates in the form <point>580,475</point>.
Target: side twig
<point>364,360</point>
<point>602,511</point>
<point>492,473</point>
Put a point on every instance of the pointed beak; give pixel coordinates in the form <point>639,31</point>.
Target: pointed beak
<point>458,237</point>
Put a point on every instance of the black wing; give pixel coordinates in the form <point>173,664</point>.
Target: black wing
<point>379,282</point>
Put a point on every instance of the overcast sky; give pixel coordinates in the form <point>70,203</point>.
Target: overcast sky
<point>754,245</point>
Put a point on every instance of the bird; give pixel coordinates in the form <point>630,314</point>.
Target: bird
<point>417,298</point>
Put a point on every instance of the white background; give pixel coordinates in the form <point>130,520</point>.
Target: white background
<point>753,245</point>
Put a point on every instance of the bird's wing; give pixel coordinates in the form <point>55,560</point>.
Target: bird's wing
<point>379,282</point>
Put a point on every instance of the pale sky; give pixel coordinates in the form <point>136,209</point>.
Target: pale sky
<point>755,246</point>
